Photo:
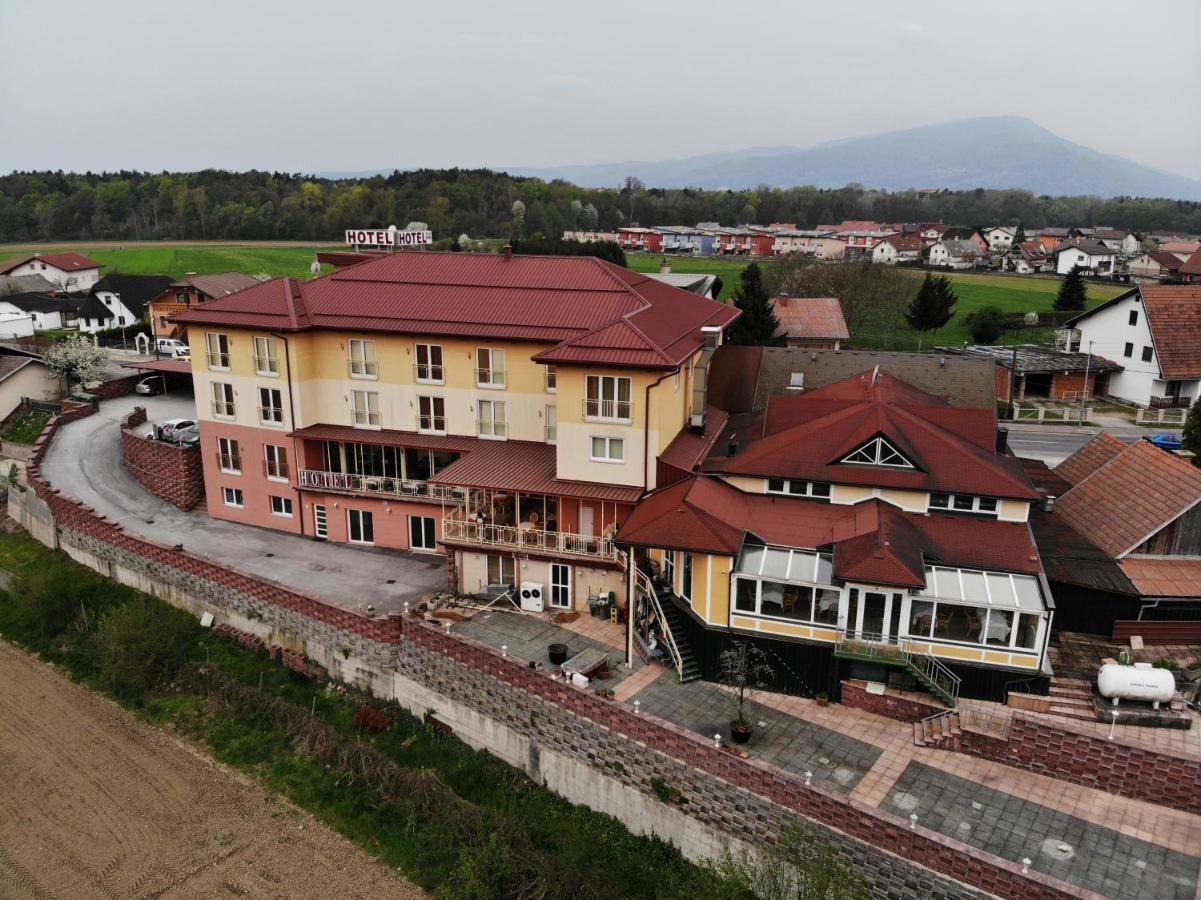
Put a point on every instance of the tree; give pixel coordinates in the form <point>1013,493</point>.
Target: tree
<point>933,306</point>
<point>141,645</point>
<point>1019,236</point>
<point>1072,294</point>
<point>872,296</point>
<point>986,325</point>
<point>758,325</point>
<point>76,360</point>
<point>1191,433</point>
<point>744,667</point>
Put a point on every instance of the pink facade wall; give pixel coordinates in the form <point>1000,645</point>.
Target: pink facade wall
<point>256,489</point>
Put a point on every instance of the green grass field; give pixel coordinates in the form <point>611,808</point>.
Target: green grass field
<point>1012,293</point>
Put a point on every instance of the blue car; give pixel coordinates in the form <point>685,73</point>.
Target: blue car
<point>1164,440</point>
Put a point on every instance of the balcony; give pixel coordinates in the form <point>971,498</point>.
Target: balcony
<point>608,410</point>
<point>266,365</point>
<point>229,462</point>
<point>457,529</point>
<point>362,368</point>
<point>377,485</point>
<point>489,378</point>
<point>428,373</point>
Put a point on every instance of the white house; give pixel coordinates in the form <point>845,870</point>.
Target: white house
<point>999,237</point>
<point>1123,242</point>
<point>118,300</point>
<point>954,254</point>
<point>1152,331</point>
<point>898,248</point>
<point>70,271</point>
<point>1090,255</point>
<point>46,312</point>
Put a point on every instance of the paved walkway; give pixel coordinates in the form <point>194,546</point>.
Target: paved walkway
<point>84,460</point>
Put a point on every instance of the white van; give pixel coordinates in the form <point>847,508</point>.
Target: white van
<point>171,347</point>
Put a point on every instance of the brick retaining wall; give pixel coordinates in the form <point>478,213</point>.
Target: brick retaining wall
<point>743,798</point>
<point>889,705</point>
<point>117,387</point>
<point>166,470</point>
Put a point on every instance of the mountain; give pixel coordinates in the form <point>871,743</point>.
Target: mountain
<point>993,152</point>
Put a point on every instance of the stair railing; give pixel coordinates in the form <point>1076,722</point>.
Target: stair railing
<point>646,586</point>
<point>931,726</point>
<point>934,672</point>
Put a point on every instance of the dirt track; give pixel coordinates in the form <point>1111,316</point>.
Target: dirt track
<point>94,803</point>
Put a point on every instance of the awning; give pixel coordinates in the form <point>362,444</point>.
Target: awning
<point>163,364</point>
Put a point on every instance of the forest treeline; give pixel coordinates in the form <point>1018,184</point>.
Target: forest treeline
<point>212,204</point>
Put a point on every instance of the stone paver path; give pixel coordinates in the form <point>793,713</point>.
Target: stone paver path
<point>1064,846</point>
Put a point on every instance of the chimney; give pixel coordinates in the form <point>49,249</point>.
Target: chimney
<point>507,250</point>
<point>189,275</point>
<point>1002,439</point>
<point>782,300</point>
<point>1049,503</point>
<point>732,447</point>
<point>665,266</point>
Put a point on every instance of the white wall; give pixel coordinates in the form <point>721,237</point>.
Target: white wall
<point>1069,259</point>
<point>79,280</point>
<point>14,323</point>
<point>118,309</point>
<point>1110,330</point>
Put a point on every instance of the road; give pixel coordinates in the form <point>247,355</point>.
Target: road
<point>1053,444</point>
<point>84,461</point>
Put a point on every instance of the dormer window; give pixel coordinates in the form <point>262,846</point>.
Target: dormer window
<point>878,452</point>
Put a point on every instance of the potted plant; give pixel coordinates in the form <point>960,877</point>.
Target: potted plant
<point>1193,670</point>
<point>744,667</point>
<point>823,699</point>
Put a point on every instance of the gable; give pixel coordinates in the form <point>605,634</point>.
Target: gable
<point>879,451</point>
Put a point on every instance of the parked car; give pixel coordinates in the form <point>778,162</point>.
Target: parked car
<point>151,385</point>
<point>1165,440</point>
<point>178,431</point>
<point>172,347</point>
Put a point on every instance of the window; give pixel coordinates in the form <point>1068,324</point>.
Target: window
<point>266,362</point>
<point>607,397</point>
<point>550,380</point>
<point>228,456</point>
<point>669,568</point>
<point>361,526</point>
<point>223,400</point>
<point>182,297</point>
<point>1134,317</point>
<point>218,350</point>
<point>120,320</point>
<point>796,381</point>
<point>490,367</point>
<point>798,488</point>
<point>281,506</point>
<point>364,407</point>
<point>878,452</point>
<point>1129,349</point>
<point>233,497</point>
<point>431,414</point>
<point>963,503</point>
<point>607,449</point>
<point>422,535</point>
<point>1147,354</point>
<point>502,570</point>
<point>686,577</point>
<point>362,359</point>
<point>552,424</point>
<point>271,406</point>
<point>275,461</point>
<point>429,364</point>
<point>492,419</point>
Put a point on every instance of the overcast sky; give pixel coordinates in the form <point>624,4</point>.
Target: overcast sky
<point>321,86</point>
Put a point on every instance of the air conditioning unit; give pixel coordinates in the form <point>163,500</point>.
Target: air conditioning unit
<point>531,596</point>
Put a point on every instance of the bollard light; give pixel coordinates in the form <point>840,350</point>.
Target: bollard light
<point>637,707</point>
<point>717,741</point>
<point>913,820</point>
<point>808,777</point>
<point>1026,861</point>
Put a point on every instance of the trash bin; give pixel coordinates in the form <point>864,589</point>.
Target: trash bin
<point>83,397</point>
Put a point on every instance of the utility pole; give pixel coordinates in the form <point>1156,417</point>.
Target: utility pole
<point>1084,393</point>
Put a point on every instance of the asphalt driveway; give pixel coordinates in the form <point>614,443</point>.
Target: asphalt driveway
<point>84,460</point>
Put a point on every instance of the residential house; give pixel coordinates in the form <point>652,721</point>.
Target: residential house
<point>591,237</point>
<point>1181,247</point>
<point>789,240</point>
<point>1141,507</point>
<point>898,248</point>
<point>1091,256</point>
<point>860,244</point>
<point>194,290</point>
<point>1154,265</point>
<point>694,282</point>
<point>1051,238</point>
<point>513,431</point>
<point>930,232</point>
<point>1152,330</point>
<point>635,238</point>
<point>119,300</point>
<point>1190,269</point>
<point>46,312</point>
<point>811,321</point>
<point>955,254</point>
<point>999,237</point>
<point>68,271</point>
<point>23,376</point>
<point>681,239</point>
<point>1026,371</point>
<point>26,284</point>
<point>974,235</point>
<point>1027,258</point>
<point>1123,242</point>
<point>855,527</point>
<point>853,225</point>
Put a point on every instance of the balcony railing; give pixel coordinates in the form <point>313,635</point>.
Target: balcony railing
<point>223,408</point>
<point>431,424</point>
<point>550,433</point>
<point>456,528</point>
<point>492,428</point>
<point>401,488</point>
<point>363,368</point>
<point>429,373</point>
<point>275,469</point>
<point>608,410</point>
<point>266,365</point>
<point>229,462</point>
<point>490,377</point>
<point>218,360</point>
<point>271,415</point>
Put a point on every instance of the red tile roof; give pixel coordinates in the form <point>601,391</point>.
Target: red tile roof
<point>806,435</point>
<point>811,318</point>
<point>594,311</point>
<point>68,262</point>
<point>905,242</point>
<point>1131,497</point>
<point>1090,458</point>
<point>872,541</point>
<point>1172,263</point>
<point>1191,266</point>
<point>1164,577</point>
<point>1174,317</point>
<point>219,284</point>
<point>689,447</point>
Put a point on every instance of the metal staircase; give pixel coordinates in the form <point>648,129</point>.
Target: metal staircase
<point>899,652</point>
<point>672,627</point>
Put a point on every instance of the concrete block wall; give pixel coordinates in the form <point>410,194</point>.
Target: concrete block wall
<point>525,715</point>
<point>174,473</point>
